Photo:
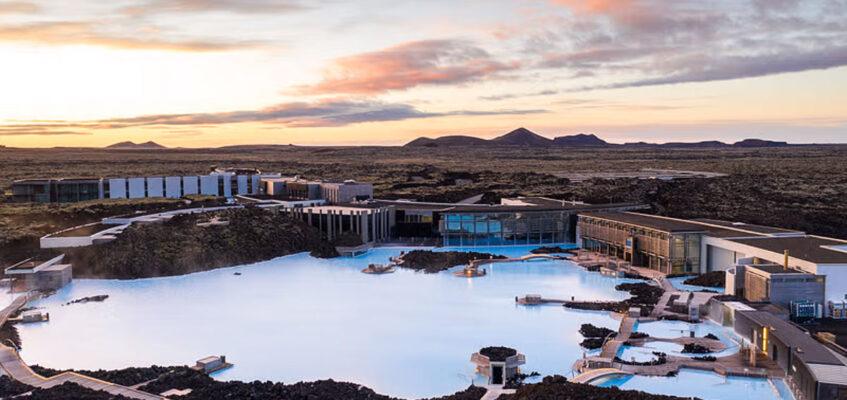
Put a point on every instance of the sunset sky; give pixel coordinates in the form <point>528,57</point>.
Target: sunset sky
<point>199,73</point>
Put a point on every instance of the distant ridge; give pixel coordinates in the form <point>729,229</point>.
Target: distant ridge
<point>151,145</point>
<point>522,137</point>
<point>581,139</point>
<point>526,138</point>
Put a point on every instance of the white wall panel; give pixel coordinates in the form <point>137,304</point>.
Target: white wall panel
<point>136,188</point>
<point>189,185</point>
<point>173,187</point>
<point>117,188</point>
<point>155,187</point>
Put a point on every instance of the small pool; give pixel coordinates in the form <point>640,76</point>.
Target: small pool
<point>673,329</point>
<point>703,384</point>
<point>645,353</point>
<point>678,283</point>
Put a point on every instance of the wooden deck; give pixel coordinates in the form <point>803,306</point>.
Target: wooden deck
<point>594,374</point>
<point>15,368</point>
<point>610,349</point>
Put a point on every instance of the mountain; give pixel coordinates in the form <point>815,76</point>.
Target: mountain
<point>151,145</point>
<point>522,137</point>
<point>455,140</point>
<point>579,140</point>
<point>526,138</point>
<point>759,143</point>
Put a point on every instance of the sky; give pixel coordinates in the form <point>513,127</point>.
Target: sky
<point>207,73</point>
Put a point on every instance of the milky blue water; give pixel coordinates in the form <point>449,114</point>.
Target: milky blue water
<point>299,318</point>
<point>705,385</point>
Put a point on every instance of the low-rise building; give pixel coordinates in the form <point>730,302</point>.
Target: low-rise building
<point>675,246</point>
<point>33,274</point>
<point>777,284</point>
<point>812,371</point>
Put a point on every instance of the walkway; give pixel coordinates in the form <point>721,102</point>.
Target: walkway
<point>610,349</point>
<point>16,369</point>
<point>477,263</point>
<point>594,374</point>
<point>495,391</point>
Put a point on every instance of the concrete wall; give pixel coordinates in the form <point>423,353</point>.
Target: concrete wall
<point>190,185</point>
<point>227,185</point>
<point>155,187</point>
<point>209,185</point>
<point>254,184</point>
<point>136,188</point>
<point>836,282</point>
<point>173,186</point>
<point>117,188</point>
<point>719,259</point>
<point>242,184</point>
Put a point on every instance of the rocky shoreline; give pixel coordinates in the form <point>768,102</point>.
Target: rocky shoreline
<point>644,295</point>
<point>432,262</point>
<point>713,279</point>
<point>558,388</point>
<point>181,246</point>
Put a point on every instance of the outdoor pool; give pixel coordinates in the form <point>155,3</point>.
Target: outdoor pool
<point>299,318</point>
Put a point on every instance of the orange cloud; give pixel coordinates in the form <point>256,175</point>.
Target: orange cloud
<point>17,7</point>
<point>599,6</point>
<point>84,33</point>
<point>428,62</point>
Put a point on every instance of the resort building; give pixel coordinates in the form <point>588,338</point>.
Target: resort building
<point>675,246</point>
<point>813,371</point>
<point>72,190</point>
<point>32,274</point>
<point>57,190</point>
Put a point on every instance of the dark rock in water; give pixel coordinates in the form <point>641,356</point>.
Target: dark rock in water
<point>237,273</point>
<point>662,358</point>
<point>695,348</point>
<point>711,336</point>
<point>639,335</point>
<point>552,250</point>
<point>709,279</point>
<point>591,331</point>
<point>498,353</point>
<point>558,388</point>
<point>705,358</point>
<point>98,298</point>
<point>436,261</point>
<point>592,343</point>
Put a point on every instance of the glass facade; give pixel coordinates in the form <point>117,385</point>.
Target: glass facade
<point>506,228</point>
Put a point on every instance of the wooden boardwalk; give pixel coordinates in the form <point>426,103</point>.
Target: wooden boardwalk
<point>15,368</point>
<point>594,374</point>
<point>610,349</point>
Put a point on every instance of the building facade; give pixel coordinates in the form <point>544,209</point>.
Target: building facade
<point>73,190</point>
<point>670,247</point>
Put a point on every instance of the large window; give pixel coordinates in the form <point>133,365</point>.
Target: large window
<point>498,229</point>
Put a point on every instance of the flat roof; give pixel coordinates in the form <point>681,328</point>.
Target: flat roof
<point>470,208</point>
<point>807,348</point>
<point>669,225</point>
<point>774,269</point>
<point>806,247</point>
<point>830,374</point>
<point>748,227</point>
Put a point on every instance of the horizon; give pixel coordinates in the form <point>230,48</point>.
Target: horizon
<point>164,147</point>
<point>200,74</point>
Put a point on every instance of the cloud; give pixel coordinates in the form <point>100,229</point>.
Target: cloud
<point>406,65</point>
<point>706,69</point>
<point>661,42</point>
<point>17,7</point>
<point>329,113</point>
<point>29,129</point>
<point>233,6</point>
<point>85,33</point>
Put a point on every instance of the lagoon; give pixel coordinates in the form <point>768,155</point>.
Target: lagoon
<point>294,318</point>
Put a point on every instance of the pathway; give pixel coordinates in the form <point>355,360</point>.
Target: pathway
<point>594,374</point>
<point>610,349</point>
<point>495,391</point>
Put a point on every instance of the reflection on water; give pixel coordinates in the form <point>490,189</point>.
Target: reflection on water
<point>299,318</point>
